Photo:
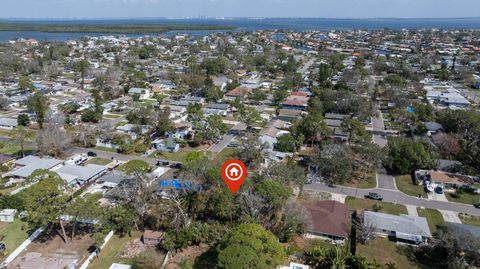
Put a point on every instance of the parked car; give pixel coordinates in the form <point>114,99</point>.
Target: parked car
<point>439,190</point>
<point>91,154</point>
<point>163,163</point>
<point>176,165</point>
<point>374,196</point>
<point>477,205</point>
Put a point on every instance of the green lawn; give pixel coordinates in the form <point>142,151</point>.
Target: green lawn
<point>224,155</point>
<point>434,218</point>
<point>10,189</point>
<point>12,149</point>
<point>99,161</point>
<point>14,234</point>
<point>384,207</point>
<point>178,156</point>
<point>105,149</point>
<point>464,197</point>
<point>469,219</point>
<point>369,183</point>
<point>383,251</point>
<point>111,253</point>
<point>405,185</point>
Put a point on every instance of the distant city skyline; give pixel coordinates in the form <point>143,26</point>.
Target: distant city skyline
<point>98,9</point>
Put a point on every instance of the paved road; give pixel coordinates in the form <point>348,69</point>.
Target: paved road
<point>384,181</point>
<point>307,65</point>
<point>220,145</point>
<point>397,197</point>
<point>378,130</point>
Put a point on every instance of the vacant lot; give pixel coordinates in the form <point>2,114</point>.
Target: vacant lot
<point>371,205</point>
<point>112,252</point>
<point>470,220</point>
<point>463,197</point>
<point>13,234</point>
<point>50,252</point>
<point>383,251</point>
<point>434,218</point>
<point>405,185</point>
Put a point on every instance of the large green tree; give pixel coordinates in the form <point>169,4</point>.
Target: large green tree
<point>21,135</point>
<point>250,246</point>
<point>405,155</point>
<point>38,103</point>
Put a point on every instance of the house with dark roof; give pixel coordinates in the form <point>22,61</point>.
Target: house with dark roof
<point>329,220</point>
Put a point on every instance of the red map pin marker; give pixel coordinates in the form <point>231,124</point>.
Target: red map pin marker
<point>234,173</point>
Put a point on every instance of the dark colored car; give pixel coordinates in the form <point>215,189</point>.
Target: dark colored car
<point>374,196</point>
<point>91,154</point>
<point>163,163</point>
<point>176,165</point>
<point>477,205</point>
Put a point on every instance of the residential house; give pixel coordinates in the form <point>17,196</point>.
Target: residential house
<point>168,145</point>
<point>296,101</point>
<point>167,186</point>
<point>142,93</point>
<point>450,98</point>
<point>463,231</point>
<point>334,122</point>
<point>77,175</point>
<point>239,92</point>
<point>8,123</point>
<point>290,115</point>
<point>133,130</point>
<point>24,167</point>
<point>329,220</point>
<point>403,228</point>
<point>446,181</point>
<point>221,82</point>
<point>433,128</point>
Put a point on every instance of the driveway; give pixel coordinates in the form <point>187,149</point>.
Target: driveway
<point>396,197</point>
<point>378,128</point>
<point>385,181</point>
<point>449,216</point>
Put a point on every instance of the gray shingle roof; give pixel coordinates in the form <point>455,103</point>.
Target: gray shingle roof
<point>400,224</point>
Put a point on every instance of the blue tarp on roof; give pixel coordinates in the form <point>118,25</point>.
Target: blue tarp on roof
<point>176,184</point>
<point>410,110</point>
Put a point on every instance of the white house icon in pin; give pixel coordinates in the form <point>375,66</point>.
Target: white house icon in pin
<point>233,172</point>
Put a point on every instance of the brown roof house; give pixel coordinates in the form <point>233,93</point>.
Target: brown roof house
<point>329,221</point>
<point>152,238</point>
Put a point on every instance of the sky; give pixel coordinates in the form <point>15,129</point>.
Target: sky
<point>239,8</point>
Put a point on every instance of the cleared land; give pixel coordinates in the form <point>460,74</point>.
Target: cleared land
<point>405,185</point>
<point>371,205</point>
<point>433,216</point>
<point>383,251</point>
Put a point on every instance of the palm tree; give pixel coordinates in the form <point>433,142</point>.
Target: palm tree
<point>82,68</point>
<point>190,200</point>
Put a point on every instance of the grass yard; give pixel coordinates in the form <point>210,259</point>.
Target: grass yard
<point>469,219</point>
<point>106,149</point>
<point>384,207</point>
<point>463,197</point>
<point>112,252</point>
<point>13,233</point>
<point>10,189</point>
<point>383,251</point>
<point>178,156</point>
<point>13,149</point>
<point>368,183</point>
<point>405,185</point>
<point>99,161</point>
<point>224,155</point>
<point>433,216</point>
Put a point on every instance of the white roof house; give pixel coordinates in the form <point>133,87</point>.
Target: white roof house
<point>8,123</point>
<point>404,227</point>
<point>31,163</point>
<point>120,266</point>
<point>76,174</point>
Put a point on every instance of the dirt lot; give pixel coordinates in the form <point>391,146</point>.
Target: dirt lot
<point>53,253</point>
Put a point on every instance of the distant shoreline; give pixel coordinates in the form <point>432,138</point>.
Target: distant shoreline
<point>110,28</point>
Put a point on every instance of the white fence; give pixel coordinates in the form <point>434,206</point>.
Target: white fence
<point>90,258</point>
<point>22,247</point>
